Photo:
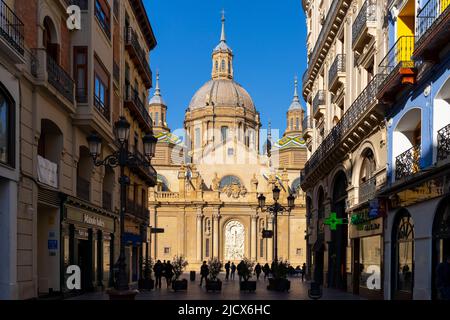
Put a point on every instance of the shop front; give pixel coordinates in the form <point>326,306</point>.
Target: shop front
<point>88,235</point>
<point>366,234</point>
<point>135,237</point>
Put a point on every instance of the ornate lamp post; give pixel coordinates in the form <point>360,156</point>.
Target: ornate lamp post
<point>276,209</point>
<point>124,159</point>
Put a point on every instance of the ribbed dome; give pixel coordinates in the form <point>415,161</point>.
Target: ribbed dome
<point>221,93</point>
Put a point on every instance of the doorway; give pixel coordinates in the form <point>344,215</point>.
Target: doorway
<point>441,240</point>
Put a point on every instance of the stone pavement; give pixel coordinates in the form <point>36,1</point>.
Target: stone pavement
<point>230,291</point>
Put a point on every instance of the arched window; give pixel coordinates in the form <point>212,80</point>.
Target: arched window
<point>403,254</point>
<point>229,180</point>
<point>368,166</point>
<point>217,66</point>
<point>222,67</point>
<point>229,66</point>
<point>297,123</point>
<point>292,124</point>
<point>163,183</point>
<point>295,187</point>
<point>6,128</point>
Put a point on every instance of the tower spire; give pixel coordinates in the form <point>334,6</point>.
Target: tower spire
<point>296,99</point>
<point>157,89</point>
<point>222,36</point>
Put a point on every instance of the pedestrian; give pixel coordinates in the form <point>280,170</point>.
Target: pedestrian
<point>257,271</point>
<point>239,268</point>
<point>266,270</point>
<point>168,273</point>
<point>227,270</point>
<point>303,271</point>
<point>204,271</point>
<point>233,270</point>
<point>157,269</point>
<point>443,279</point>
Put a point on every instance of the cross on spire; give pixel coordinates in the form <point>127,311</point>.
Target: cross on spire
<point>222,36</point>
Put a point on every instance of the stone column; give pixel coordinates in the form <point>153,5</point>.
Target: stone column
<point>270,240</point>
<point>199,234</point>
<point>254,237</point>
<point>216,218</point>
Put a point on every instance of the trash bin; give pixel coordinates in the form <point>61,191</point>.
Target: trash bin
<point>192,275</point>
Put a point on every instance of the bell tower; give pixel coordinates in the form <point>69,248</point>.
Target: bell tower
<point>222,57</point>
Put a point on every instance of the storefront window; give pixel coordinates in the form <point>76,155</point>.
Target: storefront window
<point>405,254</point>
<point>369,258</point>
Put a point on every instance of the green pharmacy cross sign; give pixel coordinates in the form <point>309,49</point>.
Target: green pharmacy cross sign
<point>333,221</point>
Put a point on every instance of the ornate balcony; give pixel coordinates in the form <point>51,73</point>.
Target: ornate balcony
<point>147,173</point>
<point>443,147</point>
<point>433,23</point>
<point>368,190</point>
<point>103,108</point>
<point>365,25</point>
<point>137,108</point>
<point>336,74</point>
<point>11,33</point>
<point>319,104</point>
<point>358,121</point>
<point>60,79</point>
<point>398,68</point>
<point>307,125</point>
<point>407,163</point>
<point>138,56</point>
<point>335,18</point>
<point>136,210</point>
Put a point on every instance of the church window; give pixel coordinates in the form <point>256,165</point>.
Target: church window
<point>207,248</point>
<point>229,180</point>
<point>156,118</point>
<point>197,138</point>
<point>292,124</point>
<point>217,66</point>
<point>167,250</point>
<point>261,248</point>
<point>229,66</point>
<point>224,132</point>
<point>297,124</point>
<point>222,68</point>
<point>300,252</point>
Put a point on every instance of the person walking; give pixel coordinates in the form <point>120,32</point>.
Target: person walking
<point>233,270</point>
<point>240,266</point>
<point>168,273</point>
<point>158,269</point>
<point>257,271</point>
<point>204,271</point>
<point>227,270</point>
<point>266,270</point>
<point>443,279</point>
<point>303,271</point>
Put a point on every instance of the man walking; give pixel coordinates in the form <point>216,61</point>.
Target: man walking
<point>227,270</point>
<point>168,273</point>
<point>443,279</point>
<point>233,270</point>
<point>303,271</point>
<point>258,271</point>
<point>158,269</point>
<point>204,271</point>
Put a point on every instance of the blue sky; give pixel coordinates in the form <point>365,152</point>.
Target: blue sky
<point>267,38</point>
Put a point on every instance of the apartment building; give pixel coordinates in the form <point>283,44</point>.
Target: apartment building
<point>58,85</point>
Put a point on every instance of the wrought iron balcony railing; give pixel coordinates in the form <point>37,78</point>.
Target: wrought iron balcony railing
<point>131,40</point>
<point>429,14</point>
<point>444,143</point>
<point>399,56</point>
<point>407,163</point>
<point>83,189</point>
<point>81,95</point>
<point>60,79</point>
<point>102,107</point>
<point>319,100</point>
<point>137,210</point>
<point>367,190</point>
<point>11,28</point>
<point>350,118</point>
<point>132,95</point>
<point>337,66</point>
<point>368,13</point>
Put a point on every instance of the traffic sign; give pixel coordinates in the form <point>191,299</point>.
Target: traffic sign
<point>156,230</point>
<point>267,234</point>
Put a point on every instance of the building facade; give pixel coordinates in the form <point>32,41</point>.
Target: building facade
<point>211,172</point>
<point>416,88</point>
<point>57,86</point>
<point>346,138</point>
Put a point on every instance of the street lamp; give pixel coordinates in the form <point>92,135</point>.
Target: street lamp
<point>124,159</point>
<point>276,209</point>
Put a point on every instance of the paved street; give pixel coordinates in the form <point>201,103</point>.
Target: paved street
<point>230,291</point>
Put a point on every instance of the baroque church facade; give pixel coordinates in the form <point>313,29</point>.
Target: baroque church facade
<point>210,175</point>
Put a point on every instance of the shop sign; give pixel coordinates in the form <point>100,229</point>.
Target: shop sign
<point>96,221</point>
<point>89,218</point>
<point>363,224</point>
<point>426,191</point>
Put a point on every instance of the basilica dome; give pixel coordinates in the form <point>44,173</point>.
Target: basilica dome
<point>222,93</point>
